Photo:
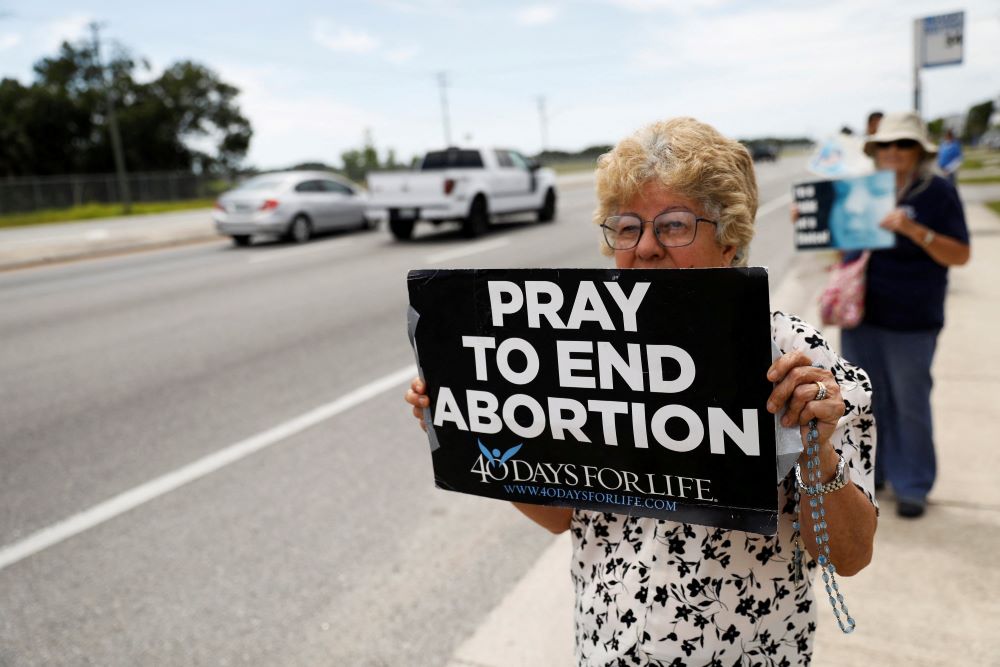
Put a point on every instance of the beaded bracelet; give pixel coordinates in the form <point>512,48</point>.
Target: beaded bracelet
<point>820,531</point>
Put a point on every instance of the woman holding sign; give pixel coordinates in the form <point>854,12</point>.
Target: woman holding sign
<point>904,307</point>
<point>678,194</point>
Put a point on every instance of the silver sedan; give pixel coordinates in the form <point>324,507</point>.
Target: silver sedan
<point>295,205</point>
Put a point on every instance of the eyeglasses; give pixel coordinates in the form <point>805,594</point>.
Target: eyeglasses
<point>901,144</point>
<point>672,229</point>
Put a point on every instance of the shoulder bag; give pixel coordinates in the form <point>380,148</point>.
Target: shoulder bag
<point>842,302</point>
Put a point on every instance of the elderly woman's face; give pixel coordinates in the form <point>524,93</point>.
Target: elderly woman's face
<point>704,252</point>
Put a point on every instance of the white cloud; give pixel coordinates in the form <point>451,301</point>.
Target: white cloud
<point>68,29</point>
<point>343,38</point>
<point>760,44</point>
<point>401,55</point>
<point>764,70</point>
<point>398,6</point>
<point>762,75</point>
<point>674,6</point>
<point>536,15</point>
<point>9,40</point>
<point>437,8</point>
<point>293,126</point>
<point>253,81</point>
<point>359,42</point>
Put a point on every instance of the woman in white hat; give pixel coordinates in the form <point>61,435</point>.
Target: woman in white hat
<point>904,307</point>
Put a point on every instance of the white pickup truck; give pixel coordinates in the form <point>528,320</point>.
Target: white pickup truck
<point>464,184</point>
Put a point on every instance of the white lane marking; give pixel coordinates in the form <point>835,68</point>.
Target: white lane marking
<point>472,249</point>
<point>164,484</point>
<point>774,204</point>
<point>291,253</point>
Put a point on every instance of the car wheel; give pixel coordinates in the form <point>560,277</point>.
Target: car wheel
<point>241,240</point>
<point>548,210</point>
<point>300,230</point>
<point>479,218</point>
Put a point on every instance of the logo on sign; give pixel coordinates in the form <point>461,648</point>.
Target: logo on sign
<point>494,457</point>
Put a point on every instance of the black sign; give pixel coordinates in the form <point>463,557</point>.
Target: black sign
<point>629,391</point>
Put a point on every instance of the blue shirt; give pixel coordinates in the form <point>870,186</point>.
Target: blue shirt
<point>949,152</point>
<point>905,288</point>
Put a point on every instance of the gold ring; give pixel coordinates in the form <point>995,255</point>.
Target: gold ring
<point>820,391</point>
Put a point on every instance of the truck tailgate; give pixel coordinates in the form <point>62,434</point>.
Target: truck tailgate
<point>398,189</point>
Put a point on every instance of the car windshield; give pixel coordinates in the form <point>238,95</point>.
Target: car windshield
<point>262,183</point>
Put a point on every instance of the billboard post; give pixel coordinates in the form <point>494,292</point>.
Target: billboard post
<point>937,41</point>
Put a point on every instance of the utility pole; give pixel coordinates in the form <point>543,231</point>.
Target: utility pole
<point>116,139</point>
<point>443,82</point>
<point>545,122</point>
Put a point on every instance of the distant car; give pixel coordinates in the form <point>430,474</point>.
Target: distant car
<point>295,205</point>
<point>764,152</point>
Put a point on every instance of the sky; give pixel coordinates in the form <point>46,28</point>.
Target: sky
<point>316,77</point>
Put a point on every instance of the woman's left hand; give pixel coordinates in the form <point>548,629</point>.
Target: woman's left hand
<point>796,386</point>
<point>850,516</point>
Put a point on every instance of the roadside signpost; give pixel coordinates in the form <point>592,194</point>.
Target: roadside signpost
<point>937,41</point>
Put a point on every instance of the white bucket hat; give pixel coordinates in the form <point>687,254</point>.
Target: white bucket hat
<point>901,125</point>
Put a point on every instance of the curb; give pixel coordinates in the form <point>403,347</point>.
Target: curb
<point>95,252</point>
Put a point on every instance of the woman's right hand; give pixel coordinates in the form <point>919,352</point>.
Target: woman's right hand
<point>417,397</point>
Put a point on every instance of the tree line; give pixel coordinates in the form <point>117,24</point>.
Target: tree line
<point>58,123</point>
<point>977,121</point>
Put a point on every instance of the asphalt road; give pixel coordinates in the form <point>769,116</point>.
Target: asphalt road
<point>321,542</point>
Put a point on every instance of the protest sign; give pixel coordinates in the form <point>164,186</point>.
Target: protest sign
<point>844,214</point>
<point>629,391</point>
<point>839,156</point>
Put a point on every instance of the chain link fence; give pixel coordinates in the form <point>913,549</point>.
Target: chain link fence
<point>35,193</point>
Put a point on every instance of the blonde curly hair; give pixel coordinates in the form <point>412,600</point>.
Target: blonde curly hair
<point>694,160</point>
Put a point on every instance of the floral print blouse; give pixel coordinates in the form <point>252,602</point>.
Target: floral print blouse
<point>662,593</point>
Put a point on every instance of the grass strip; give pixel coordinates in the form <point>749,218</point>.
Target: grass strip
<point>572,167</point>
<point>978,180</point>
<point>92,211</point>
